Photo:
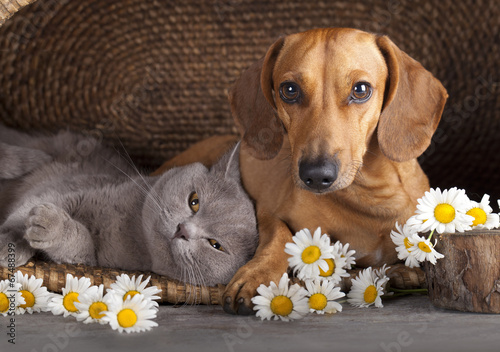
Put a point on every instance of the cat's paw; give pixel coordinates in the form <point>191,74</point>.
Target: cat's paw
<point>45,226</point>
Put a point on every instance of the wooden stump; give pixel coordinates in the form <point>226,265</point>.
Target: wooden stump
<point>468,277</point>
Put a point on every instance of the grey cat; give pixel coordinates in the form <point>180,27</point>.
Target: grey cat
<point>76,201</point>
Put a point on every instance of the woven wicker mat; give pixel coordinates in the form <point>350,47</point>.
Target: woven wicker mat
<point>175,292</point>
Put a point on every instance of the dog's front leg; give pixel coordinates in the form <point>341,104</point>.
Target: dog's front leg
<point>268,264</point>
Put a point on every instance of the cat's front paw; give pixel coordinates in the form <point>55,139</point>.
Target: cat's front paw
<point>45,226</point>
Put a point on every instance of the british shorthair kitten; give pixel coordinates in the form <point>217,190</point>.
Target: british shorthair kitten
<point>76,201</point>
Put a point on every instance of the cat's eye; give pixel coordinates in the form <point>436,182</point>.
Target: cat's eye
<point>194,202</point>
<point>216,245</point>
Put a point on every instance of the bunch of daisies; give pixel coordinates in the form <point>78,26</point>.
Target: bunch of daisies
<point>447,211</point>
<point>127,306</point>
<point>321,266</point>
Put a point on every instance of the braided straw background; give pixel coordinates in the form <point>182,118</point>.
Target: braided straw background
<point>154,75</point>
<point>54,278</point>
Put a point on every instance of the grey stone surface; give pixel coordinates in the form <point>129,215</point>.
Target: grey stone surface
<point>404,324</point>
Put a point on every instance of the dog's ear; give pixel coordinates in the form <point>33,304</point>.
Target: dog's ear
<point>413,103</point>
<point>253,107</point>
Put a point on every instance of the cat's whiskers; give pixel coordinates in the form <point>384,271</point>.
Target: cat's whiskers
<point>145,189</point>
<point>148,189</point>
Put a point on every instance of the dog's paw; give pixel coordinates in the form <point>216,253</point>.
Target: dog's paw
<point>237,298</point>
<point>45,226</point>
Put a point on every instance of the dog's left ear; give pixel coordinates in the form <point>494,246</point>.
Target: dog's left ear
<point>413,104</point>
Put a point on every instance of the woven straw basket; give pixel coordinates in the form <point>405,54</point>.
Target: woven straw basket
<point>154,76</point>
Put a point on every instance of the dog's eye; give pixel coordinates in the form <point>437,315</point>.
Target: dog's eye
<point>216,245</point>
<point>194,202</point>
<point>361,92</point>
<point>289,92</point>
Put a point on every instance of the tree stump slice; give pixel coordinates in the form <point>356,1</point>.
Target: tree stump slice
<point>468,277</point>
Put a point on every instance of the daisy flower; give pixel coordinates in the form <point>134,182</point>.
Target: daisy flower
<point>8,288</point>
<point>336,269</point>
<point>92,305</point>
<point>443,211</point>
<point>65,303</point>
<point>126,287</point>
<point>366,290</point>
<point>322,296</point>
<point>281,302</point>
<point>344,252</point>
<point>484,218</point>
<point>401,238</point>
<point>36,296</point>
<point>424,250</point>
<point>381,275</point>
<point>132,315</point>
<point>309,253</point>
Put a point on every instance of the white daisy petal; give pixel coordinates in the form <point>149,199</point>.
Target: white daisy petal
<point>423,250</point>
<point>365,290</point>
<point>132,315</point>
<point>482,214</point>
<point>443,211</point>
<point>8,288</point>
<point>129,287</point>
<point>65,303</point>
<point>308,253</point>
<point>35,296</point>
<point>322,296</point>
<point>92,305</point>
<point>287,303</point>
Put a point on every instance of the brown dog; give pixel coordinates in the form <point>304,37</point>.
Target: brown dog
<point>339,116</point>
<point>331,121</point>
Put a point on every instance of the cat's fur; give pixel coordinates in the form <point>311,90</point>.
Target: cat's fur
<point>76,201</point>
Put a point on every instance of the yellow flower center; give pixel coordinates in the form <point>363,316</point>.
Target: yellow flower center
<point>97,309</point>
<point>281,305</point>
<point>318,301</point>
<point>130,294</point>
<point>28,298</point>
<point>370,294</point>
<point>407,242</point>
<point>311,254</point>
<point>331,268</point>
<point>444,213</point>
<point>479,215</point>
<point>4,302</point>
<point>69,302</point>
<point>126,318</point>
<point>424,247</point>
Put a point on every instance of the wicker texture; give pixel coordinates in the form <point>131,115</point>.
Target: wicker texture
<point>175,292</point>
<point>155,74</point>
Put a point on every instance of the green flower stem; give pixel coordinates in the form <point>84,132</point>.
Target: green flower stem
<point>399,292</point>
<point>430,236</point>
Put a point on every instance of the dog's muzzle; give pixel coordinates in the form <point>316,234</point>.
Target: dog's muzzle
<point>318,175</point>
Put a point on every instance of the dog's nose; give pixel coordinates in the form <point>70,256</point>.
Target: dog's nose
<point>318,175</point>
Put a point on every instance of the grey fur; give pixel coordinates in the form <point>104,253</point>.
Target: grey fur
<point>75,201</point>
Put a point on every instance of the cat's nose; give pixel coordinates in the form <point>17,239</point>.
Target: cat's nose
<point>182,232</point>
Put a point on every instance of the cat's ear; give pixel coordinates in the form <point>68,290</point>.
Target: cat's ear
<point>229,164</point>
